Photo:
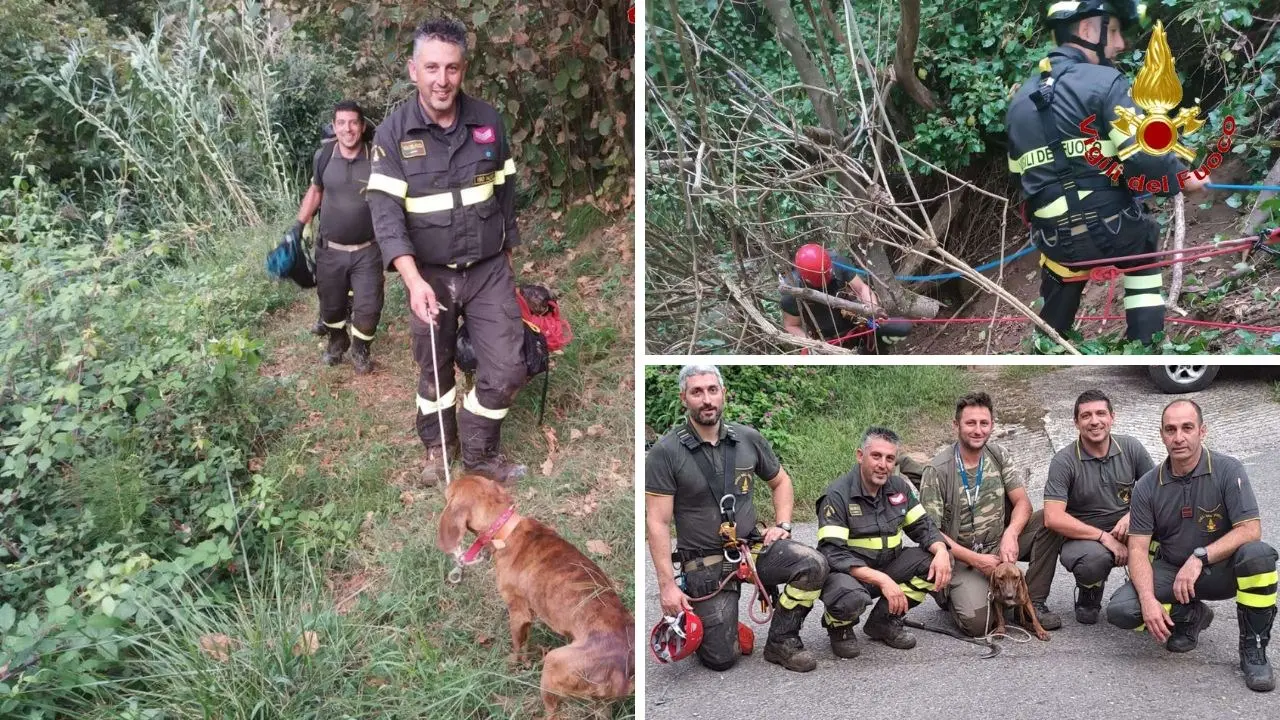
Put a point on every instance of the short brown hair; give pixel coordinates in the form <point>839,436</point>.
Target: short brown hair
<point>978,399</point>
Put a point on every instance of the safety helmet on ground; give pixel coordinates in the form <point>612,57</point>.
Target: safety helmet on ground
<point>814,265</point>
<point>676,637</point>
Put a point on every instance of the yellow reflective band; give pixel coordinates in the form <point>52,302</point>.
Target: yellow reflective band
<point>1060,270</point>
<point>471,404</point>
<point>1249,599</point>
<point>427,407</point>
<point>1045,65</point>
<point>1142,282</point>
<point>509,167</point>
<point>787,603</point>
<point>336,326</point>
<point>1257,581</point>
<point>1065,6</point>
<point>914,594</point>
<point>387,184</point>
<point>876,543</point>
<point>921,583</point>
<point>798,594</point>
<point>1053,209</point>
<point>444,201</point>
<point>1043,155</point>
<point>1097,584</point>
<point>1144,300</point>
<point>831,621</point>
<point>914,514</point>
<point>835,532</point>
<point>357,333</point>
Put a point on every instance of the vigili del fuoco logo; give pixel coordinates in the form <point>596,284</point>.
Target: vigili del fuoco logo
<point>1157,91</point>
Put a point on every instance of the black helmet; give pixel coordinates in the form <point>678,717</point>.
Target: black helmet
<point>1128,12</point>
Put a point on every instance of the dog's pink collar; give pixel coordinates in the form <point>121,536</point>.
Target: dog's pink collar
<point>473,553</point>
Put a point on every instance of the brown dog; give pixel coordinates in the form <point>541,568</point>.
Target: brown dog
<point>1009,590</point>
<point>542,576</point>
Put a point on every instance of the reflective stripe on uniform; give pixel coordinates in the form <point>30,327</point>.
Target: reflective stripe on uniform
<point>471,404</point>
<point>508,168</point>
<point>915,588</point>
<point>836,532</point>
<point>1059,207</point>
<point>877,543</point>
<point>387,184</point>
<point>444,201</point>
<point>355,331</point>
<point>427,407</point>
<point>1257,590</point>
<point>1059,269</point>
<point>1142,282</point>
<point>1142,291</point>
<point>1074,147</point>
<point>336,326</point>
<point>832,622</point>
<point>913,515</point>
<point>792,596</point>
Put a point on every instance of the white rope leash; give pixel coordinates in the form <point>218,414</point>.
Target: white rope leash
<point>435,373</point>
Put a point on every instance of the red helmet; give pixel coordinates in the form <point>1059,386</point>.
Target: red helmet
<point>814,265</point>
<point>676,638</point>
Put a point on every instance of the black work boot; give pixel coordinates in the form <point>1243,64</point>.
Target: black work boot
<point>1255,634</point>
<point>339,341</point>
<point>500,469</point>
<point>844,643</point>
<point>360,359</point>
<point>433,474</point>
<point>1186,634</point>
<point>1088,604</point>
<point>319,329</point>
<point>784,647</point>
<point>887,628</point>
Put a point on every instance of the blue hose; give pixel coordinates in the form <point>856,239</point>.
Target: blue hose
<point>945,276</point>
<point>1246,188</point>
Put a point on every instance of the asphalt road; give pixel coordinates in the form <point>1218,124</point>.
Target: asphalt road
<point>1084,671</point>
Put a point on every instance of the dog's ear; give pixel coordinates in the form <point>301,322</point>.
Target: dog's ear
<point>453,523</point>
<point>993,582</point>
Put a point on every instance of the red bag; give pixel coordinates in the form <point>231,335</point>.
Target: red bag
<point>553,328</point>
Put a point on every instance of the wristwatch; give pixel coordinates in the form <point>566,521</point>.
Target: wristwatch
<point>786,527</point>
<point>1202,554</point>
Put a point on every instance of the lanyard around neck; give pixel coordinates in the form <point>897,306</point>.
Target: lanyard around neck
<point>970,495</point>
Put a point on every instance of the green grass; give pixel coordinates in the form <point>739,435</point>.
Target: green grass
<point>911,400</point>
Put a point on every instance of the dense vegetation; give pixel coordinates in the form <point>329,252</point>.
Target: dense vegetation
<point>902,141</point>
<point>151,153</point>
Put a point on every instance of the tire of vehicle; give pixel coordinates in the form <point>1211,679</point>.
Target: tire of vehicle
<point>1182,378</point>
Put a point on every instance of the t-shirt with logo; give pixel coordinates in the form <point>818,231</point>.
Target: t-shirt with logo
<point>670,468</point>
<point>1097,490</point>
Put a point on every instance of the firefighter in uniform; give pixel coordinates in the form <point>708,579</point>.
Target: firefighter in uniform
<point>975,496</point>
<point>443,201</point>
<point>1086,500</point>
<point>347,258</point>
<point>702,474</point>
<point>1077,213</point>
<point>817,269</point>
<point>1197,516</point>
<point>861,520</point>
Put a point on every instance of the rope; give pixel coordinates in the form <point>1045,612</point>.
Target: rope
<point>435,373</point>
<point>944,276</point>
<point>1264,188</point>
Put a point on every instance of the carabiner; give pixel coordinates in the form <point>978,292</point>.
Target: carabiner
<point>733,505</point>
<point>736,557</point>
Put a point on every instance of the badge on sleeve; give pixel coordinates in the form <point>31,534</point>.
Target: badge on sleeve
<point>484,134</point>
<point>897,498</point>
<point>413,149</point>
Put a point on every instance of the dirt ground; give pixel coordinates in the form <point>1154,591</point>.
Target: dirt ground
<point>1254,302</point>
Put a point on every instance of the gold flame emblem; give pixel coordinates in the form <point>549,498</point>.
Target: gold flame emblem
<point>1157,91</point>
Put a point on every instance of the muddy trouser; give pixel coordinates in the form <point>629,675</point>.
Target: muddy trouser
<point>1130,232</point>
<point>484,295</point>
<point>1249,576</point>
<point>359,272</point>
<point>844,597</point>
<point>968,592</point>
<point>1088,560</point>
<point>799,569</point>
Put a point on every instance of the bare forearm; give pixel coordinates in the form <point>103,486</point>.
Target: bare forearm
<point>408,269</point>
<point>960,552</point>
<point>792,325</point>
<point>1021,515</point>
<point>783,496</point>
<point>310,203</point>
<point>1226,546</point>
<point>869,576</point>
<point>1140,567</point>
<point>1067,526</point>
<point>660,551</point>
